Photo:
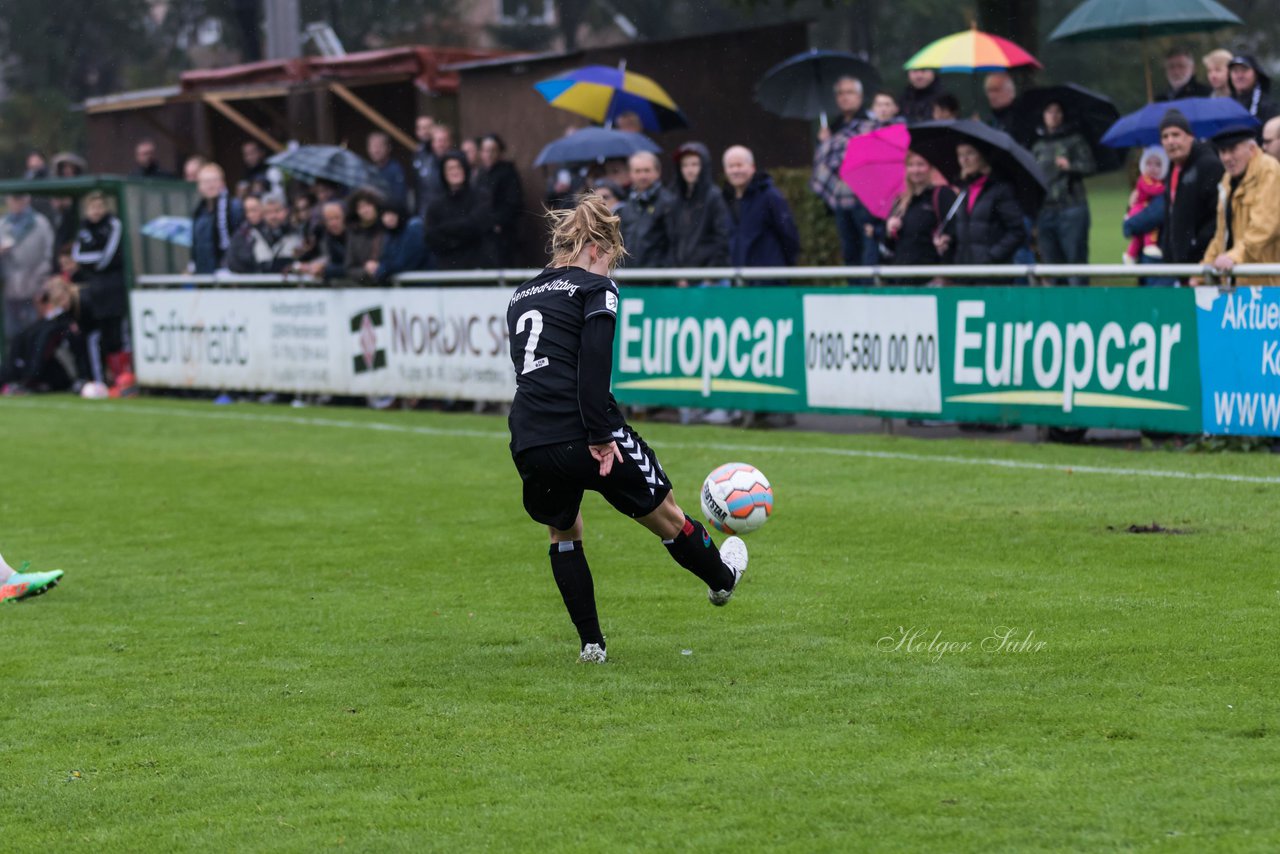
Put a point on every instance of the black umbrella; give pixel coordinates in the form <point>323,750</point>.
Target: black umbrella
<point>590,145</point>
<point>937,141</point>
<point>1090,111</point>
<point>328,163</point>
<point>803,86</point>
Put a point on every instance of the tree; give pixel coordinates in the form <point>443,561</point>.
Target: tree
<point>365,24</point>
<point>1016,20</point>
<point>56,55</point>
<point>54,44</point>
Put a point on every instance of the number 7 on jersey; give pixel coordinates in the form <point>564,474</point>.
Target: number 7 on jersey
<point>531,360</point>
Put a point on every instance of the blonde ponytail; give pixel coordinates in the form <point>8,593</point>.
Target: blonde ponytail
<point>588,222</point>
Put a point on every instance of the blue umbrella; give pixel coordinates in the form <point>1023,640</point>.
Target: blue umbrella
<point>590,145</point>
<point>1206,116</point>
<point>172,229</point>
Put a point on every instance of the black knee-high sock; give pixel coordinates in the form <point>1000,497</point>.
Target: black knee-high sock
<point>573,577</point>
<point>692,548</point>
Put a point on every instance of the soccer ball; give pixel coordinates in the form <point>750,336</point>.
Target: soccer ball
<point>737,498</point>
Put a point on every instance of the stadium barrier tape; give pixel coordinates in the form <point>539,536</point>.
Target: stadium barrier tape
<point>1178,360</point>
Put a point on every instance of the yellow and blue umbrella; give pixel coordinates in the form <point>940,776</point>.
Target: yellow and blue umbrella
<point>602,94</point>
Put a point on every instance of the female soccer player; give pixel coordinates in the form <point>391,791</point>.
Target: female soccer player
<point>567,433</point>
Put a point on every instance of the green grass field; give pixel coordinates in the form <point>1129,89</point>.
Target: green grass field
<point>335,629</point>
<point>1108,202</point>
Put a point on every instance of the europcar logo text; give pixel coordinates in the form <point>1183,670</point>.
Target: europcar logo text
<point>1066,365</point>
<point>365,325</point>
<point>702,354</point>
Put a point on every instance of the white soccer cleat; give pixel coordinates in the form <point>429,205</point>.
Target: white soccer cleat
<point>733,552</point>
<point>592,653</point>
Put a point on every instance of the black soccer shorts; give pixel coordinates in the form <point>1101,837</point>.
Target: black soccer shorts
<point>555,476</point>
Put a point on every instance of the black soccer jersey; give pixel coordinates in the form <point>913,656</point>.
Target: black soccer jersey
<point>561,326</point>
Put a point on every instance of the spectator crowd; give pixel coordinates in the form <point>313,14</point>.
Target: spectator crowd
<point>460,206</point>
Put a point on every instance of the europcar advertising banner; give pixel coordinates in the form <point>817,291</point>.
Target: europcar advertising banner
<point>733,347</point>
<point>1086,357</point>
<point>440,342</point>
<point>1106,357</point>
<point>1175,360</point>
<point>1240,360</point>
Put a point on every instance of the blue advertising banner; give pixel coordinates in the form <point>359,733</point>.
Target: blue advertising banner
<point>1239,360</point>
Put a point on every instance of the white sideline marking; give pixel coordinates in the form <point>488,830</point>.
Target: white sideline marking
<point>379,426</point>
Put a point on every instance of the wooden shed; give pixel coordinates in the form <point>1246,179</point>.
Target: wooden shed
<point>331,100</point>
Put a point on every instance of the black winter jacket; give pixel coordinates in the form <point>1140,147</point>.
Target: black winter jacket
<point>501,186</point>
<point>698,223</point>
<point>993,231</point>
<point>1191,217</point>
<point>644,229</point>
<point>924,214</point>
<point>1259,104</point>
<point>916,105</point>
<point>460,225</point>
<point>764,231</point>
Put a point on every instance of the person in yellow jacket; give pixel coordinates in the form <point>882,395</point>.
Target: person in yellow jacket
<point>1248,207</point>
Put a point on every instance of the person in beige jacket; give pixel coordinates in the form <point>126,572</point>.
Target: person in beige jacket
<point>1248,207</point>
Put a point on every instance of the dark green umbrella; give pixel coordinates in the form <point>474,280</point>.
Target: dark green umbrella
<point>1103,20</point>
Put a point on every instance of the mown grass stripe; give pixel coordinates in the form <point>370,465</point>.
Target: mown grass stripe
<point>855,453</point>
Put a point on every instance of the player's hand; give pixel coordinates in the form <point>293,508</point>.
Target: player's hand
<point>605,455</point>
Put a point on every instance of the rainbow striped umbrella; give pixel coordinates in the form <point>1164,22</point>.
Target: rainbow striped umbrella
<point>602,94</point>
<point>970,51</point>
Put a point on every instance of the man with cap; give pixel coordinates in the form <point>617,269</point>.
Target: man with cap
<point>1251,86</point>
<point>1190,195</point>
<point>1248,227</point>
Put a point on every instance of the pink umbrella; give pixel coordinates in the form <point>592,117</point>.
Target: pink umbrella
<point>874,167</point>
